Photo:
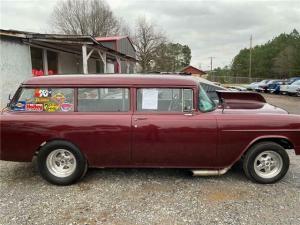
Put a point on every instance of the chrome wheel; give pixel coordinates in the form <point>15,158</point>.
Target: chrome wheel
<point>61,163</point>
<point>268,164</point>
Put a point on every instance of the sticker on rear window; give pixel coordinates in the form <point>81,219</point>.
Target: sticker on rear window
<point>51,107</point>
<point>42,92</point>
<point>34,107</point>
<point>20,106</point>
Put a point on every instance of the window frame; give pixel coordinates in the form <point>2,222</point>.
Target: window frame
<point>21,88</point>
<point>106,112</point>
<point>194,100</point>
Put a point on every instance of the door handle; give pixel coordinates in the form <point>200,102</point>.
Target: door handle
<point>140,118</point>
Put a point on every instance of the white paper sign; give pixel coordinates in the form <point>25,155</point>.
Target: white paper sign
<point>150,99</point>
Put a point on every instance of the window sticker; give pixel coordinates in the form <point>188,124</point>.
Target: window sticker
<point>66,107</point>
<point>42,92</point>
<point>150,99</point>
<point>20,106</point>
<point>51,107</point>
<point>34,107</point>
<point>41,100</point>
<point>59,98</point>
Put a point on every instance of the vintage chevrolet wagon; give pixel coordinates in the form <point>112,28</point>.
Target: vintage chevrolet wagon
<point>73,122</point>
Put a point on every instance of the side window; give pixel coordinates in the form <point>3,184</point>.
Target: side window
<point>103,99</point>
<point>164,99</point>
<point>211,91</point>
<point>45,100</point>
<point>205,103</point>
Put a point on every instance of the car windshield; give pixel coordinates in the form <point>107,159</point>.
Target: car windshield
<point>292,80</point>
<point>297,82</point>
<point>205,103</point>
<point>264,81</point>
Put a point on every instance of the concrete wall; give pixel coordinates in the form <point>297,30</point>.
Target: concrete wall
<point>15,66</point>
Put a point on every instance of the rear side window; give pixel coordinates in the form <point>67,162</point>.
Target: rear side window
<point>45,100</point>
<point>164,99</point>
<point>103,99</point>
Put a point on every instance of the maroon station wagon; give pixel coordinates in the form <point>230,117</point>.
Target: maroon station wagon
<point>73,122</point>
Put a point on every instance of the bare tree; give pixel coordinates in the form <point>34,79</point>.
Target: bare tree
<point>85,17</point>
<point>147,40</point>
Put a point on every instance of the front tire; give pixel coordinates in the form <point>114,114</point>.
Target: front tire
<point>266,163</point>
<point>61,163</point>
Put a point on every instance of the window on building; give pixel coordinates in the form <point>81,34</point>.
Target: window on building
<point>38,63</point>
<point>164,99</point>
<point>45,100</point>
<point>103,99</point>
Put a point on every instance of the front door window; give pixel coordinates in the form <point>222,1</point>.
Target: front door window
<point>164,99</point>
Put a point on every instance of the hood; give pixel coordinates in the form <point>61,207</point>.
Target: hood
<point>246,101</point>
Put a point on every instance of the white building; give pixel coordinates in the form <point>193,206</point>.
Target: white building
<point>25,54</point>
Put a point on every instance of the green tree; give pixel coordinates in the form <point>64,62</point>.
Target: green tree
<point>279,57</point>
<point>284,61</point>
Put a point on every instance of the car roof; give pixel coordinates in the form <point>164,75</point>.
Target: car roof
<point>112,79</point>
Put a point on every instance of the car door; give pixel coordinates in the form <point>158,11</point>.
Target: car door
<point>165,134</point>
<point>105,114</point>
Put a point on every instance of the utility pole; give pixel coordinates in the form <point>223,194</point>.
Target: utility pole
<point>250,59</point>
<point>211,58</point>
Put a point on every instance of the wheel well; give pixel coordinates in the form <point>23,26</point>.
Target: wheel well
<point>285,143</point>
<point>45,142</point>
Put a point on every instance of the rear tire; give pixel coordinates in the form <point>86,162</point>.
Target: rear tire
<point>266,163</point>
<point>61,163</point>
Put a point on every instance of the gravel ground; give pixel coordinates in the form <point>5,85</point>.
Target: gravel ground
<point>151,196</point>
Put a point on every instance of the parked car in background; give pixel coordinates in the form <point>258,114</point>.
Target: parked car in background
<point>74,122</point>
<point>252,86</point>
<point>292,80</point>
<point>292,89</point>
<point>274,86</point>
<point>262,86</point>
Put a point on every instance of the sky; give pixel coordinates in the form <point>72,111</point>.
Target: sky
<point>211,28</point>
